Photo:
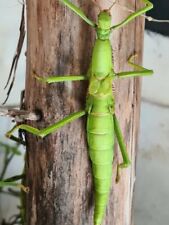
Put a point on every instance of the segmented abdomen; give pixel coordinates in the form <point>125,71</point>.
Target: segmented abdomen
<point>100,131</point>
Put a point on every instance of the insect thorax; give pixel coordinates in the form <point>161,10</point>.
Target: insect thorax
<point>102,65</point>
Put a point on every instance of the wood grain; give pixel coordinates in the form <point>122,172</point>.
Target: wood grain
<point>58,168</point>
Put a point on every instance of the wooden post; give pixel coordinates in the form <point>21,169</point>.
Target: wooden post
<point>57,167</point>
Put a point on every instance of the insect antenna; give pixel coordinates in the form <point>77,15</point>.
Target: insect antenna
<point>97,4</point>
<point>109,9</point>
<point>149,18</point>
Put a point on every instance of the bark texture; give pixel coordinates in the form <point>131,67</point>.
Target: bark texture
<point>57,167</point>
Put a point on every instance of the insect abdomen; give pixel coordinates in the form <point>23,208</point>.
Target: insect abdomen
<point>100,132</point>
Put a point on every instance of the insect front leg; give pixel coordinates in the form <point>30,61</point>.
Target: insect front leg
<point>140,71</point>
<point>126,161</point>
<point>132,16</point>
<point>78,11</point>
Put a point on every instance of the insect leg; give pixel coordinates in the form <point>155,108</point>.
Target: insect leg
<point>126,162</point>
<point>55,79</point>
<point>14,184</point>
<point>48,130</point>
<point>140,71</point>
<point>78,11</point>
<point>132,16</point>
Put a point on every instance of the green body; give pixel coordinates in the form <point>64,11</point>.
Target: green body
<point>102,124</point>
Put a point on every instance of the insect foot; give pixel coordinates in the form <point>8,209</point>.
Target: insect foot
<point>9,133</point>
<point>121,166</point>
<point>42,79</point>
<point>23,188</point>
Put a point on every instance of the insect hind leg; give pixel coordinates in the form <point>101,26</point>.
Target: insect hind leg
<point>126,161</point>
<point>48,130</point>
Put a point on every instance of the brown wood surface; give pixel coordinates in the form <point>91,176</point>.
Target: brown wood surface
<point>57,167</point>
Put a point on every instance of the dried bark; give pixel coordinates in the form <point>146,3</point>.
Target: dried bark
<point>57,167</point>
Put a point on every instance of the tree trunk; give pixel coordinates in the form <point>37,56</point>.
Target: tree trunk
<point>57,167</point>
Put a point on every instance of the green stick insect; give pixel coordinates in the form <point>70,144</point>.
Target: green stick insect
<point>102,123</point>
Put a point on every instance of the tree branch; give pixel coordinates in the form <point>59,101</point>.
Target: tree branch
<point>19,115</point>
